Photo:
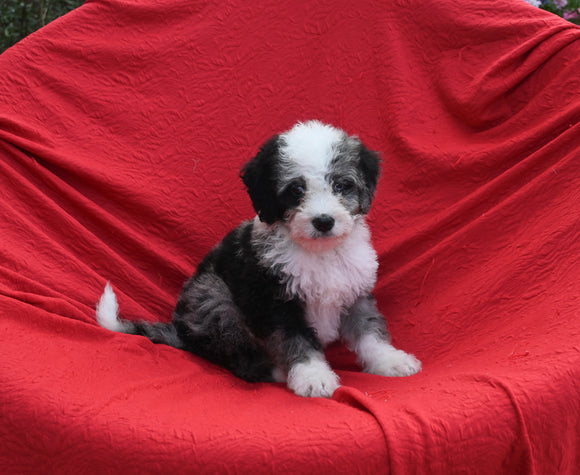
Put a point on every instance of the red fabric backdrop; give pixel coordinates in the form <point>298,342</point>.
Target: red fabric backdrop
<point>122,129</point>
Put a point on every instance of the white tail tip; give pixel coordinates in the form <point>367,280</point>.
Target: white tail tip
<point>108,310</point>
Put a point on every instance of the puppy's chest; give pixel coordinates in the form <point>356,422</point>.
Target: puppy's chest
<point>330,283</point>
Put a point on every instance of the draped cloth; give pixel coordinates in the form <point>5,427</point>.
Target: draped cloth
<point>123,126</point>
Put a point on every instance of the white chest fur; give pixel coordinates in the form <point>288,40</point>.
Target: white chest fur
<point>330,281</point>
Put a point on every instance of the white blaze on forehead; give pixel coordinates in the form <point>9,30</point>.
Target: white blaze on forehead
<point>311,145</point>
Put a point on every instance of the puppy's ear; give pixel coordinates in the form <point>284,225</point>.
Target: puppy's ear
<point>259,176</point>
<point>369,163</point>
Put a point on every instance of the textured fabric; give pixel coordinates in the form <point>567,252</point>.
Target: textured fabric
<point>122,129</point>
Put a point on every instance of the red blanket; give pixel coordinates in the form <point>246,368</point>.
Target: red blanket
<point>122,129</point>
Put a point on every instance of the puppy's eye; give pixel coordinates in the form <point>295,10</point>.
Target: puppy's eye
<point>343,186</point>
<point>297,190</point>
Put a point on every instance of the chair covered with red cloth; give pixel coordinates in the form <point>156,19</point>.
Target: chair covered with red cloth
<point>123,126</point>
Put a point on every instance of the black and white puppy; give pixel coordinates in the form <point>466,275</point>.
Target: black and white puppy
<point>268,298</point>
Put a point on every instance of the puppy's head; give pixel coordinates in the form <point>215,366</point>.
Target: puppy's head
<point>315,180</point>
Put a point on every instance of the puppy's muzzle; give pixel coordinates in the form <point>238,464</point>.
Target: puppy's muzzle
<point>323,223</point>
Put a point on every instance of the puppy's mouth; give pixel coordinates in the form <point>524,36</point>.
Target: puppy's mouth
<point>318,241</point>
<point>319,233</point>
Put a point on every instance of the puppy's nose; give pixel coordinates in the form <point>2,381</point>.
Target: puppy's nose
<point>323,223</point>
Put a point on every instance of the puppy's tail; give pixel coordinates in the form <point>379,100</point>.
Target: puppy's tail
<point>108,317</point>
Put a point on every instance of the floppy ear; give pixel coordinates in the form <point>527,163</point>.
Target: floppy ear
<point>259,176</point>
<point>369,163</point>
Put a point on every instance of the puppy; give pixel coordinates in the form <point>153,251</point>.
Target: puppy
<point>268,298</point>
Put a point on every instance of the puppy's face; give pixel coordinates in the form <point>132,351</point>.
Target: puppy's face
<point>315,180</point>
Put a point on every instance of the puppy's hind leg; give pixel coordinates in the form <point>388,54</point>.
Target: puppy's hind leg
<point>211,325</point>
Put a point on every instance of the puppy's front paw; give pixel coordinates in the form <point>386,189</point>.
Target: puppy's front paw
<point>394,362</point>
<point>313,378</point>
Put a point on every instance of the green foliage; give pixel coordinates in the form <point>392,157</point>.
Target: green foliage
<point>19,18</point>
<point>568,9</point>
